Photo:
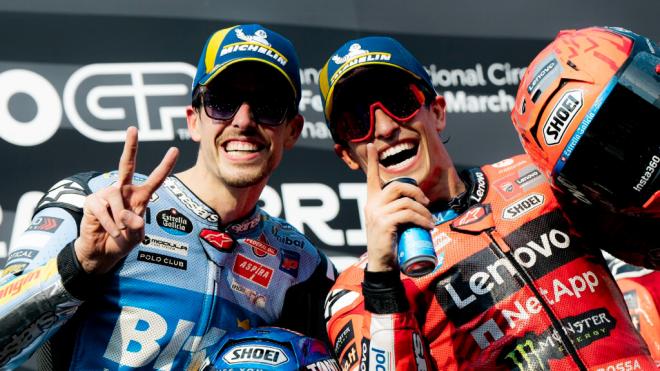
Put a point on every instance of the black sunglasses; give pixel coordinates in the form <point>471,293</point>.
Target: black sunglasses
<point>267,109</point>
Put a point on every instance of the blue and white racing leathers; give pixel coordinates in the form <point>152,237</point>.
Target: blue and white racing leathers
<point>169,302</point>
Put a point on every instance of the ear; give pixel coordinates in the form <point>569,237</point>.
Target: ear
<point>345,154</point>
<point>438,110</point>
<point>294,128</point>
<point>192,118</point>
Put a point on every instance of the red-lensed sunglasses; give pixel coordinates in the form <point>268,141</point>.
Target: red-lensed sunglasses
<point>354,113</point>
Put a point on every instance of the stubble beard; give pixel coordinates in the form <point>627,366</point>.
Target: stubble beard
<point>246,177</point>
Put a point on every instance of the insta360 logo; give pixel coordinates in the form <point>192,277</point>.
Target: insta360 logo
<point>99,100</point>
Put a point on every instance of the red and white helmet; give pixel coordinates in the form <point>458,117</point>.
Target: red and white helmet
<point>588,113</point>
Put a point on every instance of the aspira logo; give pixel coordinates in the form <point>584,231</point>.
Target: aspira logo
<point>98,100</point>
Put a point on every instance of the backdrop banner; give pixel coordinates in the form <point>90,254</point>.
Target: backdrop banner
<point>71,84</point>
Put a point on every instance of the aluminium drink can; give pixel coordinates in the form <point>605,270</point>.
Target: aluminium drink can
<point>415,251</point>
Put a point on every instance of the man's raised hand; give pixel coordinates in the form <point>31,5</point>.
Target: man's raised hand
<point>112,222</point>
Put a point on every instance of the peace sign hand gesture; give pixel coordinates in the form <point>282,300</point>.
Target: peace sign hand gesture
<point>112,223</point>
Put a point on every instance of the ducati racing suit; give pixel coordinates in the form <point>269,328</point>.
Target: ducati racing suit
<point>169,302</point>
<point>515,287</point>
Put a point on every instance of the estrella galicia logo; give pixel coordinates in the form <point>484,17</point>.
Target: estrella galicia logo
<point>173,222</point>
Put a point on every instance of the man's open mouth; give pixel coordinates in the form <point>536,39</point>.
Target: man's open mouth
<point>398,155</point>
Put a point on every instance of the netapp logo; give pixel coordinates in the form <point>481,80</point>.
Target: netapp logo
<point>258,354</point>
<point>561,116</point>
<point>523,206</point>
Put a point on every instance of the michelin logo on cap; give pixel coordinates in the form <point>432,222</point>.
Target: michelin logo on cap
<point>356,55</point>
<point>353,51</point>
<point>259,36</point>
<point>254,43</point>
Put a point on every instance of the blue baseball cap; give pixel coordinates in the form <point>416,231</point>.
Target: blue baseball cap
<point>373,50</point>
<point>243,43</point>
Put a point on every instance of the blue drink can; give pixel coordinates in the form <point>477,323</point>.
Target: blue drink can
<point>415,252</point>
<point>415,246</point>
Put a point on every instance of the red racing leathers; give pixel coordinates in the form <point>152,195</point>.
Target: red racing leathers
<point>516,287</point>
<point>641,291</point>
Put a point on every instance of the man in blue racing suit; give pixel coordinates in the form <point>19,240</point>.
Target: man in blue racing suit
<point>120,270</point>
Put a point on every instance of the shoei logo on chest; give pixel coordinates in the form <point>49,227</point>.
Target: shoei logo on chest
<point>523,206</point>
<point>562,115</point>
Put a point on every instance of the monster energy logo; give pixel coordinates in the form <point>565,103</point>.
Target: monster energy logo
<point>526,357</point>
<point>532,352</point>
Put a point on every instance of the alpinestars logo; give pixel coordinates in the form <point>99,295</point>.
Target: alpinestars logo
<point>64,192</point>
<point>188,202</point>
<point>220,240</point>
<point>259,36</point>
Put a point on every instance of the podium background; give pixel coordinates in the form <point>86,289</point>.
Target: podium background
<point>56,117</point>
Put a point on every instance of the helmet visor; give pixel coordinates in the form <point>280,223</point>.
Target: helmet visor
<point>617,160</point>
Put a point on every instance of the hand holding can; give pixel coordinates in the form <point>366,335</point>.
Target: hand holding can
<point>415,251</point>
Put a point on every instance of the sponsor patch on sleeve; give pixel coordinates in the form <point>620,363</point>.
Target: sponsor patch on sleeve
<point>45,224</point>
<point>289,263</point>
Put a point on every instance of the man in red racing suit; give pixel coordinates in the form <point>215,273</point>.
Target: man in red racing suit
<point>515,287</point>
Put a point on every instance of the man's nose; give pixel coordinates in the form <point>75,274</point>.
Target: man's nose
<point>385,126</point>
<point>243,117</point>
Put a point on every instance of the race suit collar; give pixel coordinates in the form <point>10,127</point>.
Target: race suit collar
<point>190,200</point>
<point>476,185</point>
<point>247,224</point>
